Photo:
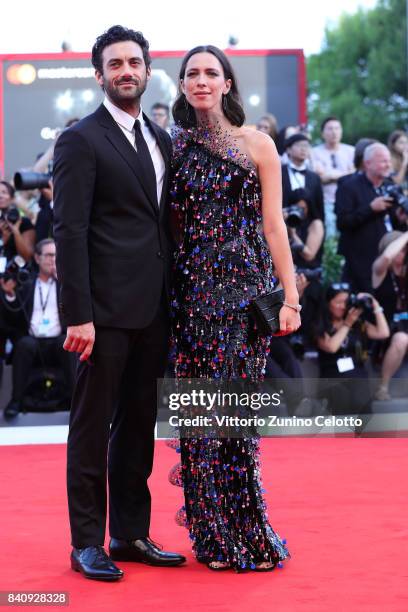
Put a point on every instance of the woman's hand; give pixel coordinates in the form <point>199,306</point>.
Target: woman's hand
<point>375,302</point>
<point>15,227</point>
<point>289,320</point>
<point>9,287</point>
<point>352,316</point>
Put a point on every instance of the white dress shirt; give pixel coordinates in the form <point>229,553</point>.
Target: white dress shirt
<point>47,311</point>
<point>297,180</point>
<point>126,123</point>
<point>324,160</point>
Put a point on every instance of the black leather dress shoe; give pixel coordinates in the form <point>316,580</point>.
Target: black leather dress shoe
<point>93,562</point>
<point>143,551</point>
<point>11,410</point>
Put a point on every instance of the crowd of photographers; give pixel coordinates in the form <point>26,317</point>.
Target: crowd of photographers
<point>352,199</point>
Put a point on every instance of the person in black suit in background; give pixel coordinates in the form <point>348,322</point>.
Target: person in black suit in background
<point>114,253</point>
<point>365,213</point>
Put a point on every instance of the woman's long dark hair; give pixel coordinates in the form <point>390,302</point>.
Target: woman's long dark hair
<point>324,321</point>
<point>183,112</point>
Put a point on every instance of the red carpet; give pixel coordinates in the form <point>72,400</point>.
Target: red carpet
<point>340,503</point>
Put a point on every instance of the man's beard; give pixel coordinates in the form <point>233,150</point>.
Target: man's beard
<point>118,97</point>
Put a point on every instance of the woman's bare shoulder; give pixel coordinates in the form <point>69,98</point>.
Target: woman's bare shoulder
<point>258,144</point>
<point>257,140</point>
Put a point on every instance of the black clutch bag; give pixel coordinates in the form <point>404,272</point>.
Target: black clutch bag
<point>265,310</point>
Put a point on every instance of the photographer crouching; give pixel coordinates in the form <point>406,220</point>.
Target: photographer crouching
<point>286,352</point>
<point>390,282</point>
<point>30,316</point>
<point>347,322</point>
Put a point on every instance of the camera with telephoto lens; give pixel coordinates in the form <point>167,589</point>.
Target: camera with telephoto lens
<point>395,193</point>
<point>311,273</point>
<point>10,214</point>
<point>365,303</point>
<point>16,270</point>
<point>27,180</point>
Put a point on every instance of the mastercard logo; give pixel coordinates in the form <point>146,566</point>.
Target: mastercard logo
<point>21,74</point>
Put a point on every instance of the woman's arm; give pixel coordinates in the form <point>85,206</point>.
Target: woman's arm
<point>379,330</point>
<point>331,344</point>
<point>384,261</point>
<point>315,234</point>
<point>42,164</point>
<point>264,154</point>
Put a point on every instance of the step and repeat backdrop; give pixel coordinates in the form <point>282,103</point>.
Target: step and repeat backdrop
<point>40,93</point>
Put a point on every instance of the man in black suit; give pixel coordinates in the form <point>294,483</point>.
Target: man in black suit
<point>111,173</point>
<point>303,188</point>
<point>365,215</point>
<point>30,317</point>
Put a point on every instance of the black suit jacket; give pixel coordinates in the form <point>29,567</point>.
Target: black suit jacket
<point>113,242</point>
<point>313,188</point>
<point>361,229</point>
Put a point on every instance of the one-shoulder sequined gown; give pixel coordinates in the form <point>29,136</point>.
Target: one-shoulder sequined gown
<point>221,264</point>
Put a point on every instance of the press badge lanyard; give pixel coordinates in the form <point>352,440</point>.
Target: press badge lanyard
<point>345,364</point>
<point>43,303</point>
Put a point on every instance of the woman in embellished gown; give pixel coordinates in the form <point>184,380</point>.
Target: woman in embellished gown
<point>226,184</point>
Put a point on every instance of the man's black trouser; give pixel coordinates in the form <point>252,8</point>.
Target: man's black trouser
<point>111,431</point>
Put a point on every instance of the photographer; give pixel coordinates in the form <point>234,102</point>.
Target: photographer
<point>390,282</point>
<point>31,318</point>
<point>308,283</point>
<point>303,203</point>
<point>16,233</point>
<point>346,323</point>
<point>283,363</point>
<point>367,207</point>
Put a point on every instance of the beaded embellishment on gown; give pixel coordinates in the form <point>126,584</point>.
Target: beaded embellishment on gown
<point>221,264</point>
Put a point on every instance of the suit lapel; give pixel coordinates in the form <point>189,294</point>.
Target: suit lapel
<point>287,187</point>
<point>119,141</point>
<point>308,179</point>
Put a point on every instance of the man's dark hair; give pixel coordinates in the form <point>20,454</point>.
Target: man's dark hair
<point>332,118</point>
<point>41,244</point>
<point>162,106</point>
<point>183,112</point>
<point>114,35</point>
